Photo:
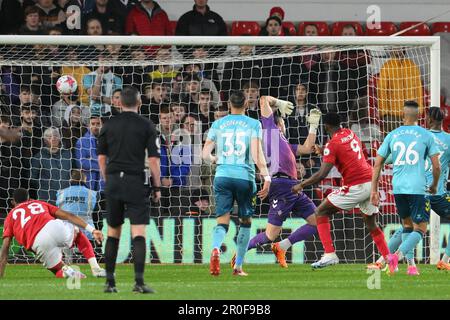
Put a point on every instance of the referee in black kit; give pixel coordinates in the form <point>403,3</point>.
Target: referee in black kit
<point>121,149</point>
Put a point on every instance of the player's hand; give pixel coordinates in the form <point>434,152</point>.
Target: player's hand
<point>297,188</point>
<point>262,194</point>
<point>98,236</point>
<point>314,117</point>
<point>432,189</point>
<point>375,198</point>
<point>318,150</point>
<point>156,196</point>
<point>285,107</point>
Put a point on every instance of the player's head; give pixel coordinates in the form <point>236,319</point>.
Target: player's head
<point>20,195</point>
<point>130,98</point>
<point>331,121</point>
<point>279,121</point>
<point>411,111</point>
<point>77,176</point>
<point>237,100</point>
<point>435,116</point>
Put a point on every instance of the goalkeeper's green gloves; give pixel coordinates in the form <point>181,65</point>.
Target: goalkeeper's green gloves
<point>314,120</point>
<point>285,107</point>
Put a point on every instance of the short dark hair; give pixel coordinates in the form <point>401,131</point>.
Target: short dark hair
<point>222,107</point>
<point>117,90</point>
<point>250,84</point>
<point>411,104</point>
<point>436,114</point>
<point>192,77</point>
<point>77,176</point>
<point>5,119</point>
<point>31,10</point>
<point>129,97</point>
<point>206,91</point>
<point>20,195</point>
<point>165,109</point>
<point>237,99</point>
<point>25,88</point>
<point>332,119</point>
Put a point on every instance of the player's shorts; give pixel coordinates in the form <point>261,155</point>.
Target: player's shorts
<point>348,198</point>
<point>228,190</point>
<point>439,204</point>
<point>412,206</point>
<point>283,201</point>
<point>127,196</point>
<point>53,237</point>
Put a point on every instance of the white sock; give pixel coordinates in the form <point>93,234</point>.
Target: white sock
<point>93,263</point>
<point>400,255</point>
<point>285,244</point>
<point>445,258</point>
<point>411,262</point>
<point>381,260</point>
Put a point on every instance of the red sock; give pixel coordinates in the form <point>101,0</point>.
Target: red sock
<point>84,246</point>
<point>57,270</point>
<point>324,229</point>
<point>380,242</point>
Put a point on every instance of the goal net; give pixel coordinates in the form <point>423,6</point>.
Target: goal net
<point>185,84</point>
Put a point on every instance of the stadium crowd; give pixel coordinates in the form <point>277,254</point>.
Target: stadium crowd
<point>59,131</point>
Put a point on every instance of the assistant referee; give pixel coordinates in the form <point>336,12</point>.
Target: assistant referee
<point>121,149</point>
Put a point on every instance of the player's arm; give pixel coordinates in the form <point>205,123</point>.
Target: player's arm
<point>154,164</point>
<point>324,170</point>
<point>11,135</point>
<point>207,155</point>
<point>379,163</point>
<point>436,169</point>
<point>270,104</point>
<point>102,165</point>
<point>64,215</point>
<point>260,161</point>
<point>4,255</point>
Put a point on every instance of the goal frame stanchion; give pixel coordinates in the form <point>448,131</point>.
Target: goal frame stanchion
<point>433,42</point>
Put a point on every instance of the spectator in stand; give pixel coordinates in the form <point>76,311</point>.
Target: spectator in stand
<point>10,166</point>
<point>31,129</point>
<point>279,12</point>
<point>72,128</point>
<point>116,103</point>
<point>221,111</point>
<point>93,27</point>
<point>311,30</point>
<point>147,19</point>
<point>111,23</point>
<point>25,97</point>
<point>86,155</point>
<point>121,9</point>
<point>60,107</point>
<point>166,126</point>
<point>252,94</point>
<point>191,151</point>
<point>399,81</point>
<point>237,72</point>
<point>323,83</point>
<point>137,75</point>
<point>307,61</point>
<point>201,21</point>
<point>205,109</point>
<point>154,100</point>
<point>365,128</point>
<point>164,72</point>
<point>178,110</point>
<point>272,27</point>
<point>352,82</point>
<point>100,85</point>
<point>32,24</point>
<point>50,168</point>
<point>191,93</point>
<point>51,15</point>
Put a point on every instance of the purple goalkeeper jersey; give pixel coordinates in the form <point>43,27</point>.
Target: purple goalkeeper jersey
<point>280,154</point>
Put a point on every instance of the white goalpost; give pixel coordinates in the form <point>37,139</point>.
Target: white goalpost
<point>185,83</point>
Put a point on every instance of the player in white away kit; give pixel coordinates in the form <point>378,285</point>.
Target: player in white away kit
<point>36,226</point>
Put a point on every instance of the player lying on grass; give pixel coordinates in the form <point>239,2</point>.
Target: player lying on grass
<point>344,150</point>
<point>237,141</point>
<point>284,176</point>
<point>440,202</point>
<point>39,227</point>
<point>410,145</point>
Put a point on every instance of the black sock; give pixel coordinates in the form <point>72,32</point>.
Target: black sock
<point>139,259</point>
<point>111,248</point>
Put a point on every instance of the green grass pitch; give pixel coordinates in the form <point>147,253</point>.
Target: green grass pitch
<point>193,282</point>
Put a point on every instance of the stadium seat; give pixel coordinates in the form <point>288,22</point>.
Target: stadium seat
<point>291,27</point>
<point>440,27</point>
<point>322,28</point>
<point>420,30</point>
<point>386,29</point>
<point>173,26</point>
<point>336,28</point>
<point>239,28</point>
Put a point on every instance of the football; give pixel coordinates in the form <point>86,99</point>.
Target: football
<point>66,84</point>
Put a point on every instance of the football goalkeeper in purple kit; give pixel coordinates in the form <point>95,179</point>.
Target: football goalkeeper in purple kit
<point>282,156</point>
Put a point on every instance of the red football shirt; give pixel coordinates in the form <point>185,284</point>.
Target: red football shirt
<point>345,151</point>
<point>26,220</point>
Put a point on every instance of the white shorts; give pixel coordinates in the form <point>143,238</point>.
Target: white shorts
<point>347,198</point>
<point>54,236</point>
